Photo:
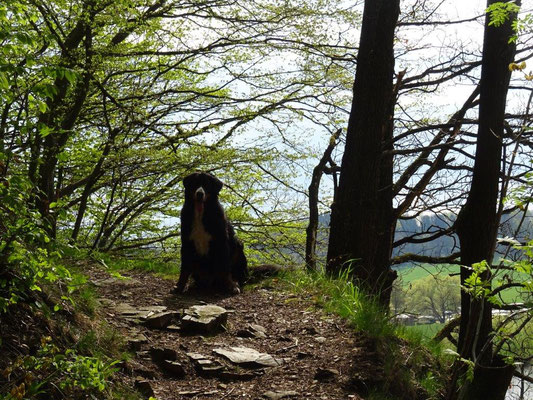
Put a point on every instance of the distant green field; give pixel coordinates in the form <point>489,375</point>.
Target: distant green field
<point>427,331</point>
<point>409,274</point>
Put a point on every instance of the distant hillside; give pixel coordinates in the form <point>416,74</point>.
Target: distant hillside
<point>427,225</point>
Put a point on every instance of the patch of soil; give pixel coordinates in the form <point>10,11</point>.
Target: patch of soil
<point>316,352</point>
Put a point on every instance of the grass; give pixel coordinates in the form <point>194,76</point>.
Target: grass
<point>85,300</point>
<point>73,357</point>
<point>103,341</point>
<point>427,330</point>
<point>142,261</point>
<point>164,269</point>
<point>342,297</point>
<point>411,273</point>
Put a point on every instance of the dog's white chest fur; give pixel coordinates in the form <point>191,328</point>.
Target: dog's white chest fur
<point>199,236</point>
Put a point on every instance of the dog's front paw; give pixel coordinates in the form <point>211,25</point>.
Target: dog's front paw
<point>230,286</point>
<point>178,289</point>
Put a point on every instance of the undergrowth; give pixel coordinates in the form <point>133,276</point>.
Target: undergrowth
<point>59,358</point>
<point>56,347</point>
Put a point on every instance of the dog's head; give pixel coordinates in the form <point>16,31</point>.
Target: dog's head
<point>201,186</point>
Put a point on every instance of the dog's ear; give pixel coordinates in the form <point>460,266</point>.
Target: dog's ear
<point>188,181</point>
<point>216,184</point>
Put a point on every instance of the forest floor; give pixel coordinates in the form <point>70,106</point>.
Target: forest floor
<point>316,355</point>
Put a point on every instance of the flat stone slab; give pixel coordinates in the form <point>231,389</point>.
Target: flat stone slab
<point>252,331</point>
<point>210,368</point>
<point>136,341</point>
<point>247,357</point>
<point>326,374</point>
<point>137,313</point>
<point>173,368</point>
<point>205,366</point>
<point>159,354</point>
<point>145,387</point>
<point>204,319</point>
<point>127,281</point>
<point>161,320</point>
<point>106,302</point>
<point>277,395</point>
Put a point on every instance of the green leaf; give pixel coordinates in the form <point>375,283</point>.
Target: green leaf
<point>71,75</point>
<point>500,12</point>
<point>451,352</point>
<point>4,83</point>
<point>44,130</point>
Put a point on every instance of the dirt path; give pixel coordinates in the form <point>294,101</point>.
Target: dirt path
<point>314,354</point>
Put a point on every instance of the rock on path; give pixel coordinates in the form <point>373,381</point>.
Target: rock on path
<point>247,357</point>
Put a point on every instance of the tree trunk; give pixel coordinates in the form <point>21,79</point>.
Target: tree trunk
<point>314,186</point>
<point>45,152</point>
<point>92,179</point>
<point>489,382</point>
<point>477,223</point>
<point>361,219</point>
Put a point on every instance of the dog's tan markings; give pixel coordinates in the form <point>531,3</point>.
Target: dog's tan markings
<point>199,236</point>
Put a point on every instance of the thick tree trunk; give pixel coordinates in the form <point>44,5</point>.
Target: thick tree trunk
<point>361,219</point>
<point>477,223</point>
<point>490,382</point>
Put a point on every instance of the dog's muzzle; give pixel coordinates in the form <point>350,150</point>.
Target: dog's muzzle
<point>199,195</point>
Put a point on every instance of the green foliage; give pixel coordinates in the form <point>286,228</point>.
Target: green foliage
<point>434,295</point>
<point>512,330</point>
<point>500,12</point>
<point>86,300</point>
<point>431,384</point>
<point>424,331</point>
<point>67,370</point>
<point>409,275</point>
<point>477,284</point>
<point>121,120</point>
<point>524,24</point>
<point>25,256</point>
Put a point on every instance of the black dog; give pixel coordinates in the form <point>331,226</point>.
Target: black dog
<point>210,251</point>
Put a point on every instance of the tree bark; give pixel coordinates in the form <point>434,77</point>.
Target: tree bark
<point>314,186</point>
<point>477,222</point>
<point>490,382</point>
<point>361,219</point>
